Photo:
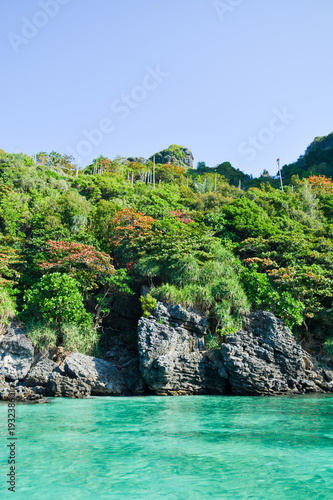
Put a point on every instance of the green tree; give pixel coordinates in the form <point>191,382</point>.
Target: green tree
<point>56,298</point>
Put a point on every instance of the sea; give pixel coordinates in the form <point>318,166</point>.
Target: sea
<point>185,447</point>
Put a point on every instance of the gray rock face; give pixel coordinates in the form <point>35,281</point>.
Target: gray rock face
<point>40,373</point>
<point>4,388</point>
<point>175,315</point>
<point>184,157</point>
<point>171,356</point>
<point>21,393</point>
<point>127,361</point>
<point>101,376</point>
<point>261,359</point>
<point>16,354</point>
<point>59,386</point>
<point>264,358</point>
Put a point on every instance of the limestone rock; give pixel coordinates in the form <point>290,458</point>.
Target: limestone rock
<point>178,155</point>
<point>4,388</point>
<point>16,354</point>
<point>22,393</point>
<point>176,315</point>
<point>40,373</point>
<point>59,386</point>
<point>127,361</point>
<point>101,376</point>
<point>263,358</point>
<point>171,357</point>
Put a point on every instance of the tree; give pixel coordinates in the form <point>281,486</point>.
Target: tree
<point>93,271</point>
<point>56,298</point>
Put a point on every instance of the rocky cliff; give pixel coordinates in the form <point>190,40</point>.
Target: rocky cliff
<point>53,373</point>
<point>323,143</point>
<point>175,154</point>
<point>172,356</point>
<point>260,359</point>
<point>263,358</point>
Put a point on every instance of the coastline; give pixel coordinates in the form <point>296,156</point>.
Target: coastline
<point>171,360</point>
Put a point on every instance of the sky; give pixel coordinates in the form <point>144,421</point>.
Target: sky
<point>245,81</point>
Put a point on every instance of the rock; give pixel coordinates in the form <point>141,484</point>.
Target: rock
<point>101,376</point>
<point>127,361</point>
<point>14,329</point>
<point>8,391</point>
<point>4,388</point>
<point>176,315</point>
<point>59,386</point>
<point>263,358</point>
<point>320,143</point>
<point>171,357</point>
<point>40,373</point>
<point>175,154</point>
<point>16,354</point>
<point>137,159</point>
<point>23,393</point>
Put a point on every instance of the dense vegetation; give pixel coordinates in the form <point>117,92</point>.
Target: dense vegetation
<point>211,238</point>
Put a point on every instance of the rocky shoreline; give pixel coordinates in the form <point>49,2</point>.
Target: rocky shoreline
<point>261,359</point>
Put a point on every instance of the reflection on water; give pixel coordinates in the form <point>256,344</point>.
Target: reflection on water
<point>175,447</point>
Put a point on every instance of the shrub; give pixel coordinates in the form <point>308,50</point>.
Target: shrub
<point>329,346</point>
<point>56,298</point>
<point>42,334</point>
<point>7,307</point>
<point>81,339</point>
<point>148,304</point>
<point>262,295</point>
<point>212,342</point>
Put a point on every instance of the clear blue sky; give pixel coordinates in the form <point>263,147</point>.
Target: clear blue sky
<point>240,81</point>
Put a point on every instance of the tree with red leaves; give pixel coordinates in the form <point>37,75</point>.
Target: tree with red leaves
<point>321,184</point>
<point>93,270</point>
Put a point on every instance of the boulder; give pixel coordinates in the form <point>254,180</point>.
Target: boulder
<point>126,359</point>
<point>263,358</point>
<point>4,388</point>
<point>260,359</point>
<point>20,392</point>
<point>59,386</point>
<point>16,354</point>
<point>40,373</point>
<point>172,360</point>
<point>23,393</point>
<point>101,376</point>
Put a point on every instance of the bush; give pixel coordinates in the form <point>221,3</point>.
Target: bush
<point>215,291</point>
<point>329,346</point>
<point>262,295</point>
<point>42,334</point>
<point>56,298</point>
<point>148,304</point>
<point>7,307</point>
<point>84,340</point>
<point>212,342</point>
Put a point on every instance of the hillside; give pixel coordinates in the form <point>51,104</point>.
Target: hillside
<point>317,160</point>
<point>79,254</point>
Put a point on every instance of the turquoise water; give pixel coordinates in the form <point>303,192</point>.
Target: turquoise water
<point>175,448</point>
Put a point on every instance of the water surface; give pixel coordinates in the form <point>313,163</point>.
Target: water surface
<point>173,447</point>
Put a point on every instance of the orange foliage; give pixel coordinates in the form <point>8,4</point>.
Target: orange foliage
<point>70,255</point>
<point>129,224</point>
<point>322,183</point>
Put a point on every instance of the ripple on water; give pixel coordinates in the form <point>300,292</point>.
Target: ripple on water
<point>177,448</point>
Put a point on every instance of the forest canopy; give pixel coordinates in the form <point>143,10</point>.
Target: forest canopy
<point>215,239</point>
